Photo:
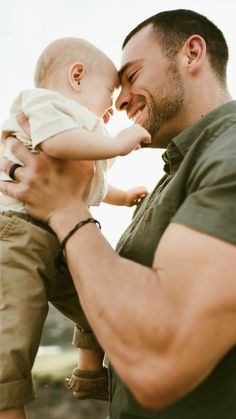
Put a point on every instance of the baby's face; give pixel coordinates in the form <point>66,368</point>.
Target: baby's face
<point>97,90</point>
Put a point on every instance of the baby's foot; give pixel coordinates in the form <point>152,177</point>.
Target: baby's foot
<point>88,384</point>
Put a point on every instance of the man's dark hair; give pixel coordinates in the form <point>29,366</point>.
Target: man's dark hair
<point>174,27</point>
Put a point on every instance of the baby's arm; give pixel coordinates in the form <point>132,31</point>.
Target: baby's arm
<point>78,144</point>
<point>47,112</point>
<point>133,196</point>
<point>81,144</point>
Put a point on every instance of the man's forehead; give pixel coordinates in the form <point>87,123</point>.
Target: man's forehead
<point>117,82</point>
<point>137,47</point>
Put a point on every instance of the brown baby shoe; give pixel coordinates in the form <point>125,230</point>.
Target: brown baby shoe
<point>88,384</point>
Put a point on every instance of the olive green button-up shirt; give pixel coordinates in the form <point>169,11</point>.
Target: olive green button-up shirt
<point>198,190</point>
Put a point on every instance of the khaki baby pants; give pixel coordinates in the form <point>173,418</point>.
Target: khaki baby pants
<point>28,280</point>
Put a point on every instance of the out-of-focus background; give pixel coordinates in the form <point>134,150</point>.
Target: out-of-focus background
<point>55,361</point>
<point>27,26</point>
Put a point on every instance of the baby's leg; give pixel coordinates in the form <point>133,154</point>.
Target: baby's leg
<point>23,309</point>
<point>87,378</point>
<point>90,359</point>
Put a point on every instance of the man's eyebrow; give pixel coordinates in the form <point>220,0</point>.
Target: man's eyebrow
<point>124,68</point>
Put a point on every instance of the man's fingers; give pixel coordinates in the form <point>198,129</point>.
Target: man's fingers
<point>20,150</point>
<point>9,188</point>
<point>24,123</point>
<point>5,166</point>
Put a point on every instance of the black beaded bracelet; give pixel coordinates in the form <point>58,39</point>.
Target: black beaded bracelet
<point>60,259</point>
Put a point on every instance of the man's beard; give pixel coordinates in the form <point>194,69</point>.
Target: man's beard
<point>165,104</point>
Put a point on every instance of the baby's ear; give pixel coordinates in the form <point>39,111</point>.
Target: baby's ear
<point>75,74</point>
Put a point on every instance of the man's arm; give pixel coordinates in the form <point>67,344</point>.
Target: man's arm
<point>157,323</point>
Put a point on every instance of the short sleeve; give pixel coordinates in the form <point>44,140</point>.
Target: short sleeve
<point>210,205</point>
<point>48,114</point>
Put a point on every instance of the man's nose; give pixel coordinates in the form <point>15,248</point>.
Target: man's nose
<point>122,100</point>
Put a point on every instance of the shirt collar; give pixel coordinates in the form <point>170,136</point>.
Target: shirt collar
<point>179,145</point>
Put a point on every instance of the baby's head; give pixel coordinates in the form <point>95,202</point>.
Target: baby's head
<point>79,71</point>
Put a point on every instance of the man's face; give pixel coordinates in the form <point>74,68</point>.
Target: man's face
<point>152,92</point>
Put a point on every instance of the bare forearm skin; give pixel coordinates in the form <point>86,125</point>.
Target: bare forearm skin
<point>116,295</point>
<point>146,326</point>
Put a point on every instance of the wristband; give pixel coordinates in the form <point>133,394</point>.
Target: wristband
<point>60,259</point>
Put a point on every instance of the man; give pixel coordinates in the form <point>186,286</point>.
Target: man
<point>164,309</point>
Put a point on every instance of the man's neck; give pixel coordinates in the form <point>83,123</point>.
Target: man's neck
<point>191,112</point>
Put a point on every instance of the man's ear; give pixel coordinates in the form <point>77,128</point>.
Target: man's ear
<point>194,53</point>
<point>75,75</point>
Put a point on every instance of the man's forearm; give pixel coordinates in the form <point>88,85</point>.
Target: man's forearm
<point>111,288</point>
<point>149,321</point>
<point>120,298</point>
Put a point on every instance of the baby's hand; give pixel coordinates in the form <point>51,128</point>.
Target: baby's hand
<point>135,195</point>
<point>129,139</point>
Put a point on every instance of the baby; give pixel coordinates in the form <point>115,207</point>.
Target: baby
<point>67,111</point>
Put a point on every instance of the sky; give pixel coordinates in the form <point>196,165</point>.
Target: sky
<point>28,26</point>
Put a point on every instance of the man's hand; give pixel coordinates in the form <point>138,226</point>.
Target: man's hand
<point>46,185</point>
<point>24,123</point>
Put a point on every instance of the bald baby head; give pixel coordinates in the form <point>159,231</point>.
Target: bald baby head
<point>63,53</point>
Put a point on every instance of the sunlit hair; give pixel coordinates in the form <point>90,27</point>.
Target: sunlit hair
<point>62,53</point>
<point>174,27</point>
